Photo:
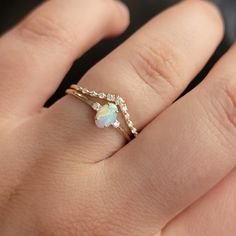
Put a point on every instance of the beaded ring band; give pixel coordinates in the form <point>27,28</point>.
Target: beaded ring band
<point>106,114</point>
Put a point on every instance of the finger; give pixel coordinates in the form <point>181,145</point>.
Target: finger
<point>214,214</point>
<point>149,71</point>
<point>37,53</point>
<point>183,153</point>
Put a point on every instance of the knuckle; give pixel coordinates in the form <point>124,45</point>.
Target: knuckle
<point>223,100</point>
<point>229,94</point>
<point>157,66</point>
<point>45,29</point>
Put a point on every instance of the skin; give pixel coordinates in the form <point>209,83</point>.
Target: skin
<point>60,175</point>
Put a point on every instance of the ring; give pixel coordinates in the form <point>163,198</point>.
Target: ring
<point>106,114</point>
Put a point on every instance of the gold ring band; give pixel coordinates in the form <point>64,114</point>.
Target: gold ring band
<point>106,115</point>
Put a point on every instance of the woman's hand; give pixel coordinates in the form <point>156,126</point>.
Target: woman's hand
<point>60,175</point>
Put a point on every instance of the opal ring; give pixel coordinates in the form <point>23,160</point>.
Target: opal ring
<point>106,113</point>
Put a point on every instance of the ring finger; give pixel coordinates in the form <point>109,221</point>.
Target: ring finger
<point>35,55</point>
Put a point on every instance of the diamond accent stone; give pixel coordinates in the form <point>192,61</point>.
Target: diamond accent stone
<point>116,124</point>
<point>134,131</point>
<point>84,90</point>
<point>93,93</point>
<point>127,116</point>
<point>102,95</point>
<point>124,108</point>
<point>111,97</point>
<point>96,106</point>
<point>130,124</point>
<point>119,100</point>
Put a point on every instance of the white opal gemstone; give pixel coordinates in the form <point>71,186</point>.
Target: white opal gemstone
<point>106,115</point>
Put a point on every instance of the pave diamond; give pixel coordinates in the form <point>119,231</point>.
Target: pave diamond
<point>127,116</point>
<point>84,90</point>
<point>124,108</point>
<point>130,124</point>
<point>119,100</point>
<point>134,131</point>
<point>111,97</point>
<point>102,95</point>
<point>93,93</point>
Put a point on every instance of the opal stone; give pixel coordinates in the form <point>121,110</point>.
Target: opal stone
<point>106,115</point>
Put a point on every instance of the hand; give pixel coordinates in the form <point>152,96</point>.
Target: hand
<point>60,175</point>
